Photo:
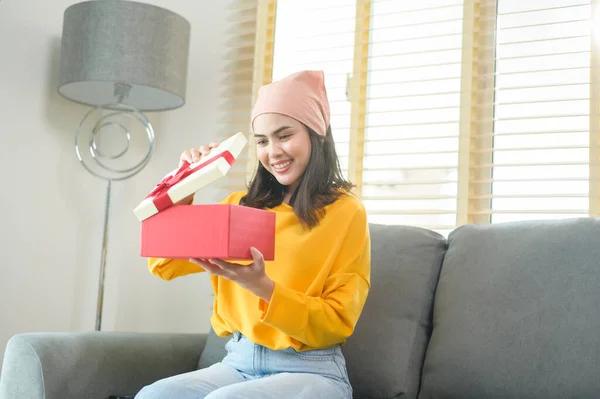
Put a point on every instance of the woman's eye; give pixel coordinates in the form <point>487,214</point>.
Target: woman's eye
<point>284,137</point>
<point>260,142</point>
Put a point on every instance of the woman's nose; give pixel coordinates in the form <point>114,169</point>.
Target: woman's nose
<point>275,150</point>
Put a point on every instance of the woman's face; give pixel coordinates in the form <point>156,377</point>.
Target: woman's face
<point>282,147</point>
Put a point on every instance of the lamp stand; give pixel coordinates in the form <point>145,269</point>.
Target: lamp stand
<point>97,164</point>
<point>100,301</point>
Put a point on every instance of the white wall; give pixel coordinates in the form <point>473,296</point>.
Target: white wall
<point>51,209</point>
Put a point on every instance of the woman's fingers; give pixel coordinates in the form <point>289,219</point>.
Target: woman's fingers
<point>185,157</point>
<point>212,268</point>
<point>231,268</point>
<point>193,155</point>
<point>204,150</point>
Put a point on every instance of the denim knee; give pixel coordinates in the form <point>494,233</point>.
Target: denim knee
<point>222,394</point>
<point>147,392</point>
<point>160,390</point>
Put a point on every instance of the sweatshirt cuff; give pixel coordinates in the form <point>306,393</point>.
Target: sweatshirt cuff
<point>286,311</point>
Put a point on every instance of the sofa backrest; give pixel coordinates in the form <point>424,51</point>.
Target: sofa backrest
<point>517,313</point>
<point>385,354</point>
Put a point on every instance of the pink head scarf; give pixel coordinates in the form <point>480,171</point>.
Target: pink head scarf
<point>301,96</point>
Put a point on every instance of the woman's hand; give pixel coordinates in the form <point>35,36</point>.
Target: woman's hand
<point>191,156</point>
<point>252,277</point>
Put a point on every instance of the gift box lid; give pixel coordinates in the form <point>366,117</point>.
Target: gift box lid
<point>189,178</point>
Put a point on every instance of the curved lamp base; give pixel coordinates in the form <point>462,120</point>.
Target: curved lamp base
<point>100,162</point>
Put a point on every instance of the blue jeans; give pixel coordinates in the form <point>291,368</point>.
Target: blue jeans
<point>253,371</point>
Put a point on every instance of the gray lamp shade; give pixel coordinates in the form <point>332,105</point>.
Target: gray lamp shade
<point>123,51</point>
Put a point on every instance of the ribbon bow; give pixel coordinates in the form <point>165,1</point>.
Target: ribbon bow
<point>161,192</point>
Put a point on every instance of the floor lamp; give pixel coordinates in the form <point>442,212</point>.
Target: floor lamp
<point>122,58</point>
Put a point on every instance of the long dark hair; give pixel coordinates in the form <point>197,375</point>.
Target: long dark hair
<point>322,183</point>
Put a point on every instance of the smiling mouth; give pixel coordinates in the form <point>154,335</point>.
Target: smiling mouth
<point>282,165</point>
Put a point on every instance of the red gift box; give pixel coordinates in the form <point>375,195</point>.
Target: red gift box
<point>209,231</point>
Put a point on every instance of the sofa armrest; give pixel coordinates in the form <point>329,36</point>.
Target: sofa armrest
<point>93,364</point>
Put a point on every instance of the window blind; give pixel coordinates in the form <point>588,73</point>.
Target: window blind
<point>238,75</point>
<point>448,112</point>
<point>541,110</point>
<point>412,113</point>
<point>248,63</point>
<point>312,34</point>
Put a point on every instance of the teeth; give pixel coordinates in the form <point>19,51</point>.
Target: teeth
<point>283,165</point>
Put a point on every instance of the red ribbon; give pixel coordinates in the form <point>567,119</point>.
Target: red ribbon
<point>160,193</point>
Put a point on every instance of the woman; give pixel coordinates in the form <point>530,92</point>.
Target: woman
<point>287,317</point>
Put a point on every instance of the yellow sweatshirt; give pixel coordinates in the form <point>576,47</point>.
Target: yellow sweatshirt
<point>322,278</point>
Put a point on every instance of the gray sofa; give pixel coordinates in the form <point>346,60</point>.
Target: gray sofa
<point>496,311</point>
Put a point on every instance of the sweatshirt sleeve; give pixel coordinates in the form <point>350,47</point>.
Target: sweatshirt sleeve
<point>329,319</point>
<point>168,269</point>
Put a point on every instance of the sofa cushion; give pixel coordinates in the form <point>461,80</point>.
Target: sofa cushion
<point>516,313</point>
<point>385,354</point>
<point>214,350</point>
